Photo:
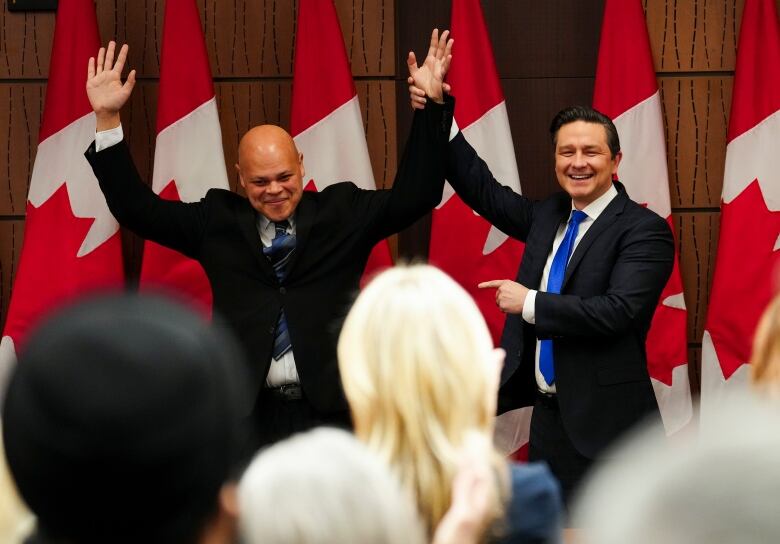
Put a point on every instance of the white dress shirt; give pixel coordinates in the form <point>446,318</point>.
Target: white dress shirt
<point>592,210</point>
<point>283,371</point>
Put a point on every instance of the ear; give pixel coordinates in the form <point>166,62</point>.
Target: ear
<point>300,164</point>
<point>240,177</point>
<point>228,499</point>
<point>616,160</point>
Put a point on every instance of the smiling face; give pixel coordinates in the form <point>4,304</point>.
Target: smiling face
<point>584,164</point>
<point>271,171</point>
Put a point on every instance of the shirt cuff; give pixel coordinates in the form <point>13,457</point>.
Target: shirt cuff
<point>453,129</point>
<point>106,138</point>
<point>529,307</point>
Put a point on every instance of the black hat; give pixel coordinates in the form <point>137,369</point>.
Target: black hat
<point>123,419</point>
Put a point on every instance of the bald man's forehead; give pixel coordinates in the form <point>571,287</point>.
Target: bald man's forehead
<point>268,140</point>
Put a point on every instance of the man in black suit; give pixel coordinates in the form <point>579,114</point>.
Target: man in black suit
<point>283,264</point>
<point>578,313</point>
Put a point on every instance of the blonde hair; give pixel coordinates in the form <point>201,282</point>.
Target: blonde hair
<point>765,360</point>
<point>418,369</point>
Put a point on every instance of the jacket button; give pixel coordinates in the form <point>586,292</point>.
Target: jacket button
<point>282,291</point>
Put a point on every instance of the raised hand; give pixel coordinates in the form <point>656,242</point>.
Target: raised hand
<point>105,90</point>
<point>428,79</point>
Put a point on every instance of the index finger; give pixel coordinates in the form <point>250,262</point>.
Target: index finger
<point>434,42</point>
<point>492,284</point>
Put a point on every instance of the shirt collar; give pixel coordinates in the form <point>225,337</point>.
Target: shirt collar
<point>595,208</point>
<point>264,224</point>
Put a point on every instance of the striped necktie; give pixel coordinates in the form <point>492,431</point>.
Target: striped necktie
<point>279,253</point>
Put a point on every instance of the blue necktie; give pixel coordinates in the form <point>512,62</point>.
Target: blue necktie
<point>554,284</point>
<point>279,252</point>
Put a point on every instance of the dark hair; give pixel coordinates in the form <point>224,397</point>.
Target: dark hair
<point>589,115</point>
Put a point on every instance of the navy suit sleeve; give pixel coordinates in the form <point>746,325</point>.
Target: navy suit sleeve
<point>177,225</point>
<point>472,180</point>
<point>636,280</point>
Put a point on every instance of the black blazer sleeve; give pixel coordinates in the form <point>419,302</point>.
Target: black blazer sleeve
<point>177,225</point>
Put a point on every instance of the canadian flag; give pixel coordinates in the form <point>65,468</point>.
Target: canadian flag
<point>188,158</point>
<point>326,123</point>
<point>71,241</point>
<point>626,91</point>
<point>480,252</point>
<point>750,210</point>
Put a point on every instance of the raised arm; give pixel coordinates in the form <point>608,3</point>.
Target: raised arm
<point>428,79</point>
<point>105,90</point>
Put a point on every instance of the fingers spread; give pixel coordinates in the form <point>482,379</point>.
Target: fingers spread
<point>91,68</point>
<point>100,59</point>
<point>411,62</point>
<point>434,42</point>
<point>109,62</point>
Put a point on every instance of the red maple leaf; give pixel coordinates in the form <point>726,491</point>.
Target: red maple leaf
<point>741,287</point>
<point>457,240</point>
<point>50,274</point>
<point>170,271</point>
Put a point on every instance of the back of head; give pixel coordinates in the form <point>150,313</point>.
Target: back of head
<point>718,488</point>
<point>324,487</point>
<point>419,373</point>
<point>122,421</point>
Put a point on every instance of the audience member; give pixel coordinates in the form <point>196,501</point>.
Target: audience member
<point>421,376</point>
<point>324,487</point>
<point>719,488</point>
<point>16,522</point>
<point>122,424</point>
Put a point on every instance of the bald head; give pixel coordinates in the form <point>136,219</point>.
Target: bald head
<point>271,172</point>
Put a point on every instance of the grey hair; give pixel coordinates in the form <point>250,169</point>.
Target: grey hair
<point>324,487</point>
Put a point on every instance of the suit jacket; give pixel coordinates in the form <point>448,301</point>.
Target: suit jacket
<point>335,232</point>
<point>599,321</point>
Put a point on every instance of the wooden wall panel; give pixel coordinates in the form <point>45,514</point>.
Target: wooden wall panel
<point>697,234</point>
<point>21,106</point>
<point>377,102</point>
<point>696,119</point>
<point>368,27</point>
<point>25,43</point>
<point>693,35</point>
<point>11,237</point>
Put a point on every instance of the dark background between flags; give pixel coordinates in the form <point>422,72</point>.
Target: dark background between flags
<point>546,56</point>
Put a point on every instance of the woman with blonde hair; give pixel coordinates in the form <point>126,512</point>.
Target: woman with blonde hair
<point>765,360</point>
<point>421,377</point>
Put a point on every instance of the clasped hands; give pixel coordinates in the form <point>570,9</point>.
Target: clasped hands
<point>428,79</point>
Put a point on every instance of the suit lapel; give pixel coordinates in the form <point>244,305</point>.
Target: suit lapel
<point>247,221</point>
<point>602,223</point>
<point>548,228</point>
<point>304,219</point>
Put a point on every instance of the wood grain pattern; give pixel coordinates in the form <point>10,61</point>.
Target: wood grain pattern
<point>370,44</point>
<point>21,106</point>
<point>25,43</point>
<point>693,35</point>
<point>697,233</point>
<point>696,120</point>
<point>11,237</point>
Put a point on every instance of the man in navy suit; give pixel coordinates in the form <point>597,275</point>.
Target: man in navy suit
<point>578,312</point>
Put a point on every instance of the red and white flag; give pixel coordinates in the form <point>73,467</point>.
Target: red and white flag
<point>71,241</point>
<point>750,209</point>
<point>463,244</point>
<point>188,158</point>
<point>627,91</point>
<point>325,121</point>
